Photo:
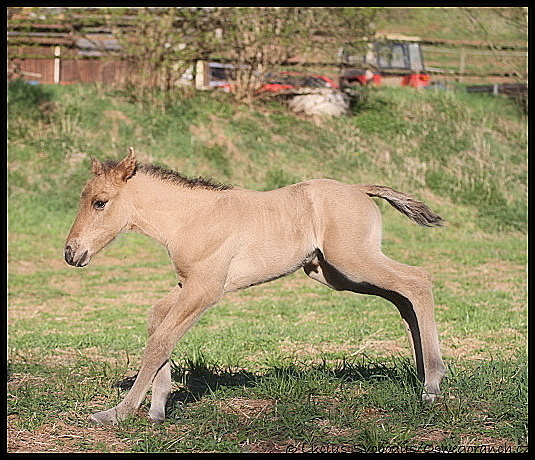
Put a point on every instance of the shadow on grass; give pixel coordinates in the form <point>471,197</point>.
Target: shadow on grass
<point>198,378</point>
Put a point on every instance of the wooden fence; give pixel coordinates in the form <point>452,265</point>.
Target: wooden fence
<point>67,71</point>
<point>465,62</point>
<point>460,64</point>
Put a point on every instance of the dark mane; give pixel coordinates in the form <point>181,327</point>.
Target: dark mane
<point>171,176</point>
<point>174,176</point>
<point>108,165</point>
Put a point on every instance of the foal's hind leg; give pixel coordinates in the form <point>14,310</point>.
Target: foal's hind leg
<point>408,288</point>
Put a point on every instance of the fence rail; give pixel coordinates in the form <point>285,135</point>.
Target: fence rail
<point>67,71</point>
<point>64,68</point>
<point>476,53</point>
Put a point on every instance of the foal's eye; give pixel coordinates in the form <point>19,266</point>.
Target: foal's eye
<point>99,204</point>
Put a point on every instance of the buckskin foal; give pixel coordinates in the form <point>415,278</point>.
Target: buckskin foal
<point>223,239</point>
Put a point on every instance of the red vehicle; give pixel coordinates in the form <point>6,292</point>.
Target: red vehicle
<point>290,80</point>
<point>273,82</point>
<point>398,62</point>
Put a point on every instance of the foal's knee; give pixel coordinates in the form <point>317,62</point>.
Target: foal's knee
<point>420,285</point>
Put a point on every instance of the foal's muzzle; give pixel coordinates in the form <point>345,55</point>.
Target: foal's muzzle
<point>76,258</point>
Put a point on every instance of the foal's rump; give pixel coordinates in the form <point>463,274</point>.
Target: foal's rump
<point>347,216</point>
<point>343,213</point>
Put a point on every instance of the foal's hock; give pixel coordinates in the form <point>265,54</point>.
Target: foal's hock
<point>223,239</point>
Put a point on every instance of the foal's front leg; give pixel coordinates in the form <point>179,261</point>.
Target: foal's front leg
<point>162,383</point>
<point>187,304</point>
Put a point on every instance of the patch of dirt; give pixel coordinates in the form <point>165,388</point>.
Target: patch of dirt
<point>271,446</point>
<point>61,437</point>
<point>496,274</point>
<point>398,347</point>
<point>431,436</point>
<point>247,409</point>
<point>17,379</point>
<point>493,274</point>
<point>467,347</point>
<point>335,431</point>
<point>485,444</point>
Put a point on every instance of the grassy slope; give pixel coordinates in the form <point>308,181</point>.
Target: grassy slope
<point>463,154</point>
<point>449,24</point>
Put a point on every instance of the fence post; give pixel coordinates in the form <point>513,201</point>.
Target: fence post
<point>57,52</point>
<point>201,74</point>
<point>462,62</point>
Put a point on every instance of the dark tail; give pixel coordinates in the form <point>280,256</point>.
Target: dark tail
<point>414,209</point>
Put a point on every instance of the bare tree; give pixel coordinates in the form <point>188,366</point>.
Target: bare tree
<point>148,43</point>
<point>258,39</point>
<point>160,43</point>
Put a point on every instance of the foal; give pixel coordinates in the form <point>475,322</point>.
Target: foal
<point>223,239</point>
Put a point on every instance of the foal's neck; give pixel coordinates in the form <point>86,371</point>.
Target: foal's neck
<point>161,207</point>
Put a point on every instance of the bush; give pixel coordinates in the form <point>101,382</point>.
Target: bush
<point>24,99</point>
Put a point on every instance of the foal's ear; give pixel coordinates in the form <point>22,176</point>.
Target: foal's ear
<point>96,166</point>
<point>127,167</point>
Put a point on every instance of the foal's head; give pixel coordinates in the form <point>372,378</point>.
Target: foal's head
<point>104,210</point>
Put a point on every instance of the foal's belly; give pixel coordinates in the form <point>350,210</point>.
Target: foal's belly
<point>256,268</point>
<point>274,236</point>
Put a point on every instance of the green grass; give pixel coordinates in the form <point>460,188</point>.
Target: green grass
<point>362,404</point>
<point>290,364</point>
<point>449,24</point>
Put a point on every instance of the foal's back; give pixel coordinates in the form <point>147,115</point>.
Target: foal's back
<point>279,231</point>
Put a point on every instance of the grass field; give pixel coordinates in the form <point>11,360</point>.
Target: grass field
<point>450,23</point>
<point>290,365</point>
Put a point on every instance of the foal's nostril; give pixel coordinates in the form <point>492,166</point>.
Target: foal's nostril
<point>68,254</point>
<point>81,262</point>
<point>75,256</point>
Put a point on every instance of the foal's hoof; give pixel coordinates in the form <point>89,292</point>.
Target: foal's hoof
<point>157,410</point>
<point>156,418</point>
<point>430,397</point>
<point>107,417</point>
